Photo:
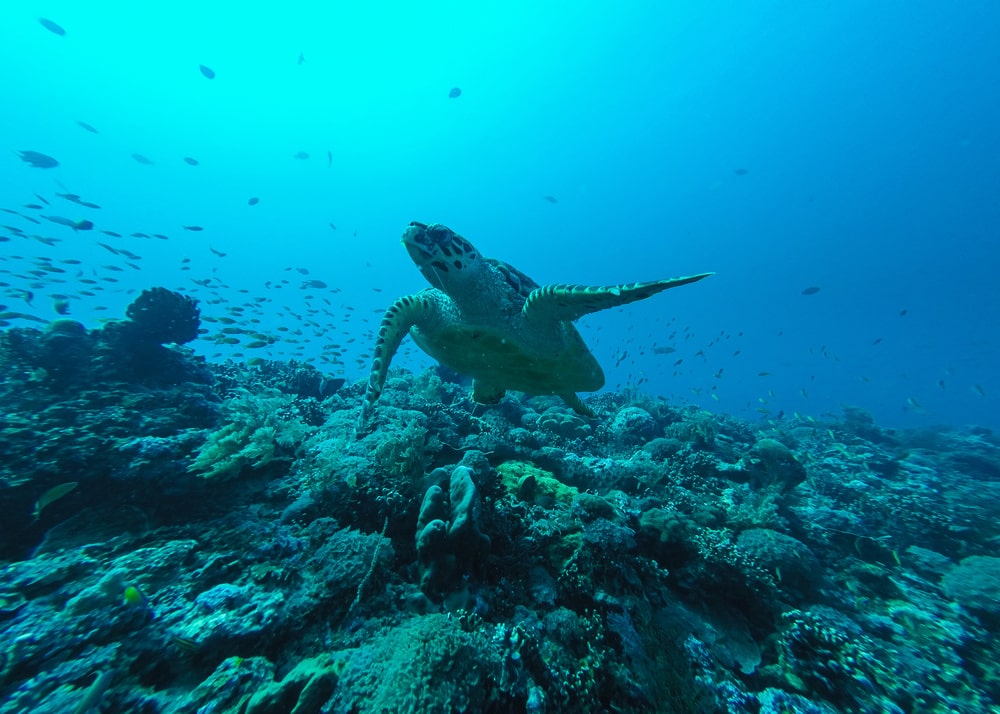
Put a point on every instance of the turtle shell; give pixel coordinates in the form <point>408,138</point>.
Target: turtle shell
<point>518,281</point>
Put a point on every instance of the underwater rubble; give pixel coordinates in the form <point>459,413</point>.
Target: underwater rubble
<point>180,536</point>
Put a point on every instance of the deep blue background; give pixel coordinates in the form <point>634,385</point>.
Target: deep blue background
<point>851,146</point>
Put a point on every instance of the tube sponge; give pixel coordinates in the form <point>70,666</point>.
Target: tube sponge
<point>449,539</point>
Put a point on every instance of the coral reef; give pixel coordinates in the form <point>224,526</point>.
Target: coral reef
<point>229,541</point>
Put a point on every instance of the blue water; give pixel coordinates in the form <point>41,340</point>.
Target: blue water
<point>848,146</point>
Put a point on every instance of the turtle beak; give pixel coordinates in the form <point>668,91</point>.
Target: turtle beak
<point>413,233</point>
<point>412,239</point>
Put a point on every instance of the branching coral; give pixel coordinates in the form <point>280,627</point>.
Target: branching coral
<point>164,316</point>
<point>403,449</point>
<point>259,429</point>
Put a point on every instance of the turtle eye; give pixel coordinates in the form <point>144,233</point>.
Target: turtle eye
<point>440,234</point>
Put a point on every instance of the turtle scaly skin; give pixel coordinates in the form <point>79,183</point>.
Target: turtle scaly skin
<point>487,320</point>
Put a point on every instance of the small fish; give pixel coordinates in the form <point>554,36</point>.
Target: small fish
<point>902,313</point>
<point>741,172</point>
<point>133,597</point>
<point>51,496</point>
<point>207,71</point>
<point>83,225</point>
<point>112,234</point>
<point>51,26</point>
<point>35,206</point>
<point>551,199</point>
<point>316,284</point>
<point>22,316</point>
<point>301,156</point>
<point>38,159</point>
<point>190,162</point>
<point>196,229</point>
<point>142,159</point>
<point>42,199</point>
<point>811,290</point>
<point>302,58</point>
<point>217,252</point>
<point>763,374</point>
<point>61,306</point>
<point>455,93</point>
<point>978,390</point>
<point>88,127</point>
<point>253,201</point>
<point>663,350</point>
<point>184,644</point>
<point>256,344</point>
<point>876,340</point>
<point>333,226</point>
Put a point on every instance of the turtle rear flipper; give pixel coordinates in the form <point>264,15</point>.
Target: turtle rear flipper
<point>553,303</point>
<point>484,392</point>
<point>574,402</point>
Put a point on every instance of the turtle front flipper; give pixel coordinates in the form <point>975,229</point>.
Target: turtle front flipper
<point>553,303</point>
<point>403,314</point>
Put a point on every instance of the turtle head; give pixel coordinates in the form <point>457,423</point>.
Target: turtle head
<point>444,257</point>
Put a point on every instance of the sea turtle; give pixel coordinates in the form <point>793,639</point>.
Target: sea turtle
<point>487,320</point>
